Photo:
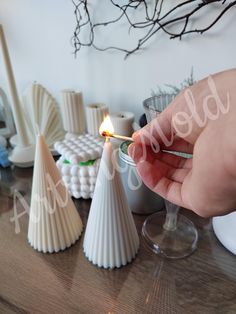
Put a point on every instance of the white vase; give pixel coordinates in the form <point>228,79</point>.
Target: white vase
<point>54,223</point>
<point>111,239</point>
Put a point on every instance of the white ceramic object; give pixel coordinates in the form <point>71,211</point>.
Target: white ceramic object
<point>79,180</point>
<point>42,115</point>
<point>123,123</point>
<point>111,239</point>
<point>80,148</point>
<point>225,230</point>
<point>95,114</point>
<point>23,156</point>
<point>14,142</point>
<point>72,110</point>
<point>54,223</point>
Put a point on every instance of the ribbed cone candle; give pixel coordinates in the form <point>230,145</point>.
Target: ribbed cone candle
<point>54,222</point>
<point>111,239</point>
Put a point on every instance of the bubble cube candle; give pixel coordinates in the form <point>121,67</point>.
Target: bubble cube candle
<point>79,163</point>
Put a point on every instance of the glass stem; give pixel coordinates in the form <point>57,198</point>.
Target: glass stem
<point>171,216</point>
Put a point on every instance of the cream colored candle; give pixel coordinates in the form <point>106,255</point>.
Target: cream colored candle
<point>95,114</point>
<point>111,239</point>
<point>72,110</point>
<point>123,123</point>
<point>54,222</point>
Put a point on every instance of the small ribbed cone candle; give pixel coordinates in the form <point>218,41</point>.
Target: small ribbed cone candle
<point>54,222</point>
<point>111,239</point>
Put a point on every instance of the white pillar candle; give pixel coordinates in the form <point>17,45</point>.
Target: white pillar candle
<point>123,123</point>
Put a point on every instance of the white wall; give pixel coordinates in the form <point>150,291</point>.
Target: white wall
<point>38,35</point>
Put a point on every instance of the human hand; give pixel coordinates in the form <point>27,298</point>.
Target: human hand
<point>205,183</point>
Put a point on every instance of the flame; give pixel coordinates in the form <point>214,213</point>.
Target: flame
<point>106,127</point>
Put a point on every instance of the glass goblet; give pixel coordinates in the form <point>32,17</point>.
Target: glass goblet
<point>170,234</point>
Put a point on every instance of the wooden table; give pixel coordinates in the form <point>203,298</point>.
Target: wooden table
<point>66,282</point>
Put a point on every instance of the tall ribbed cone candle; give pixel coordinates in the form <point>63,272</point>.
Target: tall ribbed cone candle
<point>111,239</point>
<point>54,222</point>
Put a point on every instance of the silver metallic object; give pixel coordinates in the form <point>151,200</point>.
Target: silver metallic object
<point>141,199</point>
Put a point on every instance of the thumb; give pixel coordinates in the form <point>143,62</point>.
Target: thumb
<point>158,132</point>
<point>136,152</point>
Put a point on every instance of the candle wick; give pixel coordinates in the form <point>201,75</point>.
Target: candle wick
<point>106,134</point>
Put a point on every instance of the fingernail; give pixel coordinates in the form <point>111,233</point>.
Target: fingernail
<point>135,135</point>
<point>131,149</point>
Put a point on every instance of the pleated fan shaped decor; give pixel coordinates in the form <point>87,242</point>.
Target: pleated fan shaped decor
<point>54,223</point>
<point>41,112</point>
<point>111,239</point>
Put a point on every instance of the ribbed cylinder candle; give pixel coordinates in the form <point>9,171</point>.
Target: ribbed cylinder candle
<point>95,114</point>
<point>72,110</point>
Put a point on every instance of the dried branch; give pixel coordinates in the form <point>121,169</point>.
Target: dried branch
<point>152,22</point>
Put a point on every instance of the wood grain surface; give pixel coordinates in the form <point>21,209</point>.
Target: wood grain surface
<point>66,282</point>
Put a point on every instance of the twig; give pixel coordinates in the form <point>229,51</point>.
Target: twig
<point>152,22</point>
